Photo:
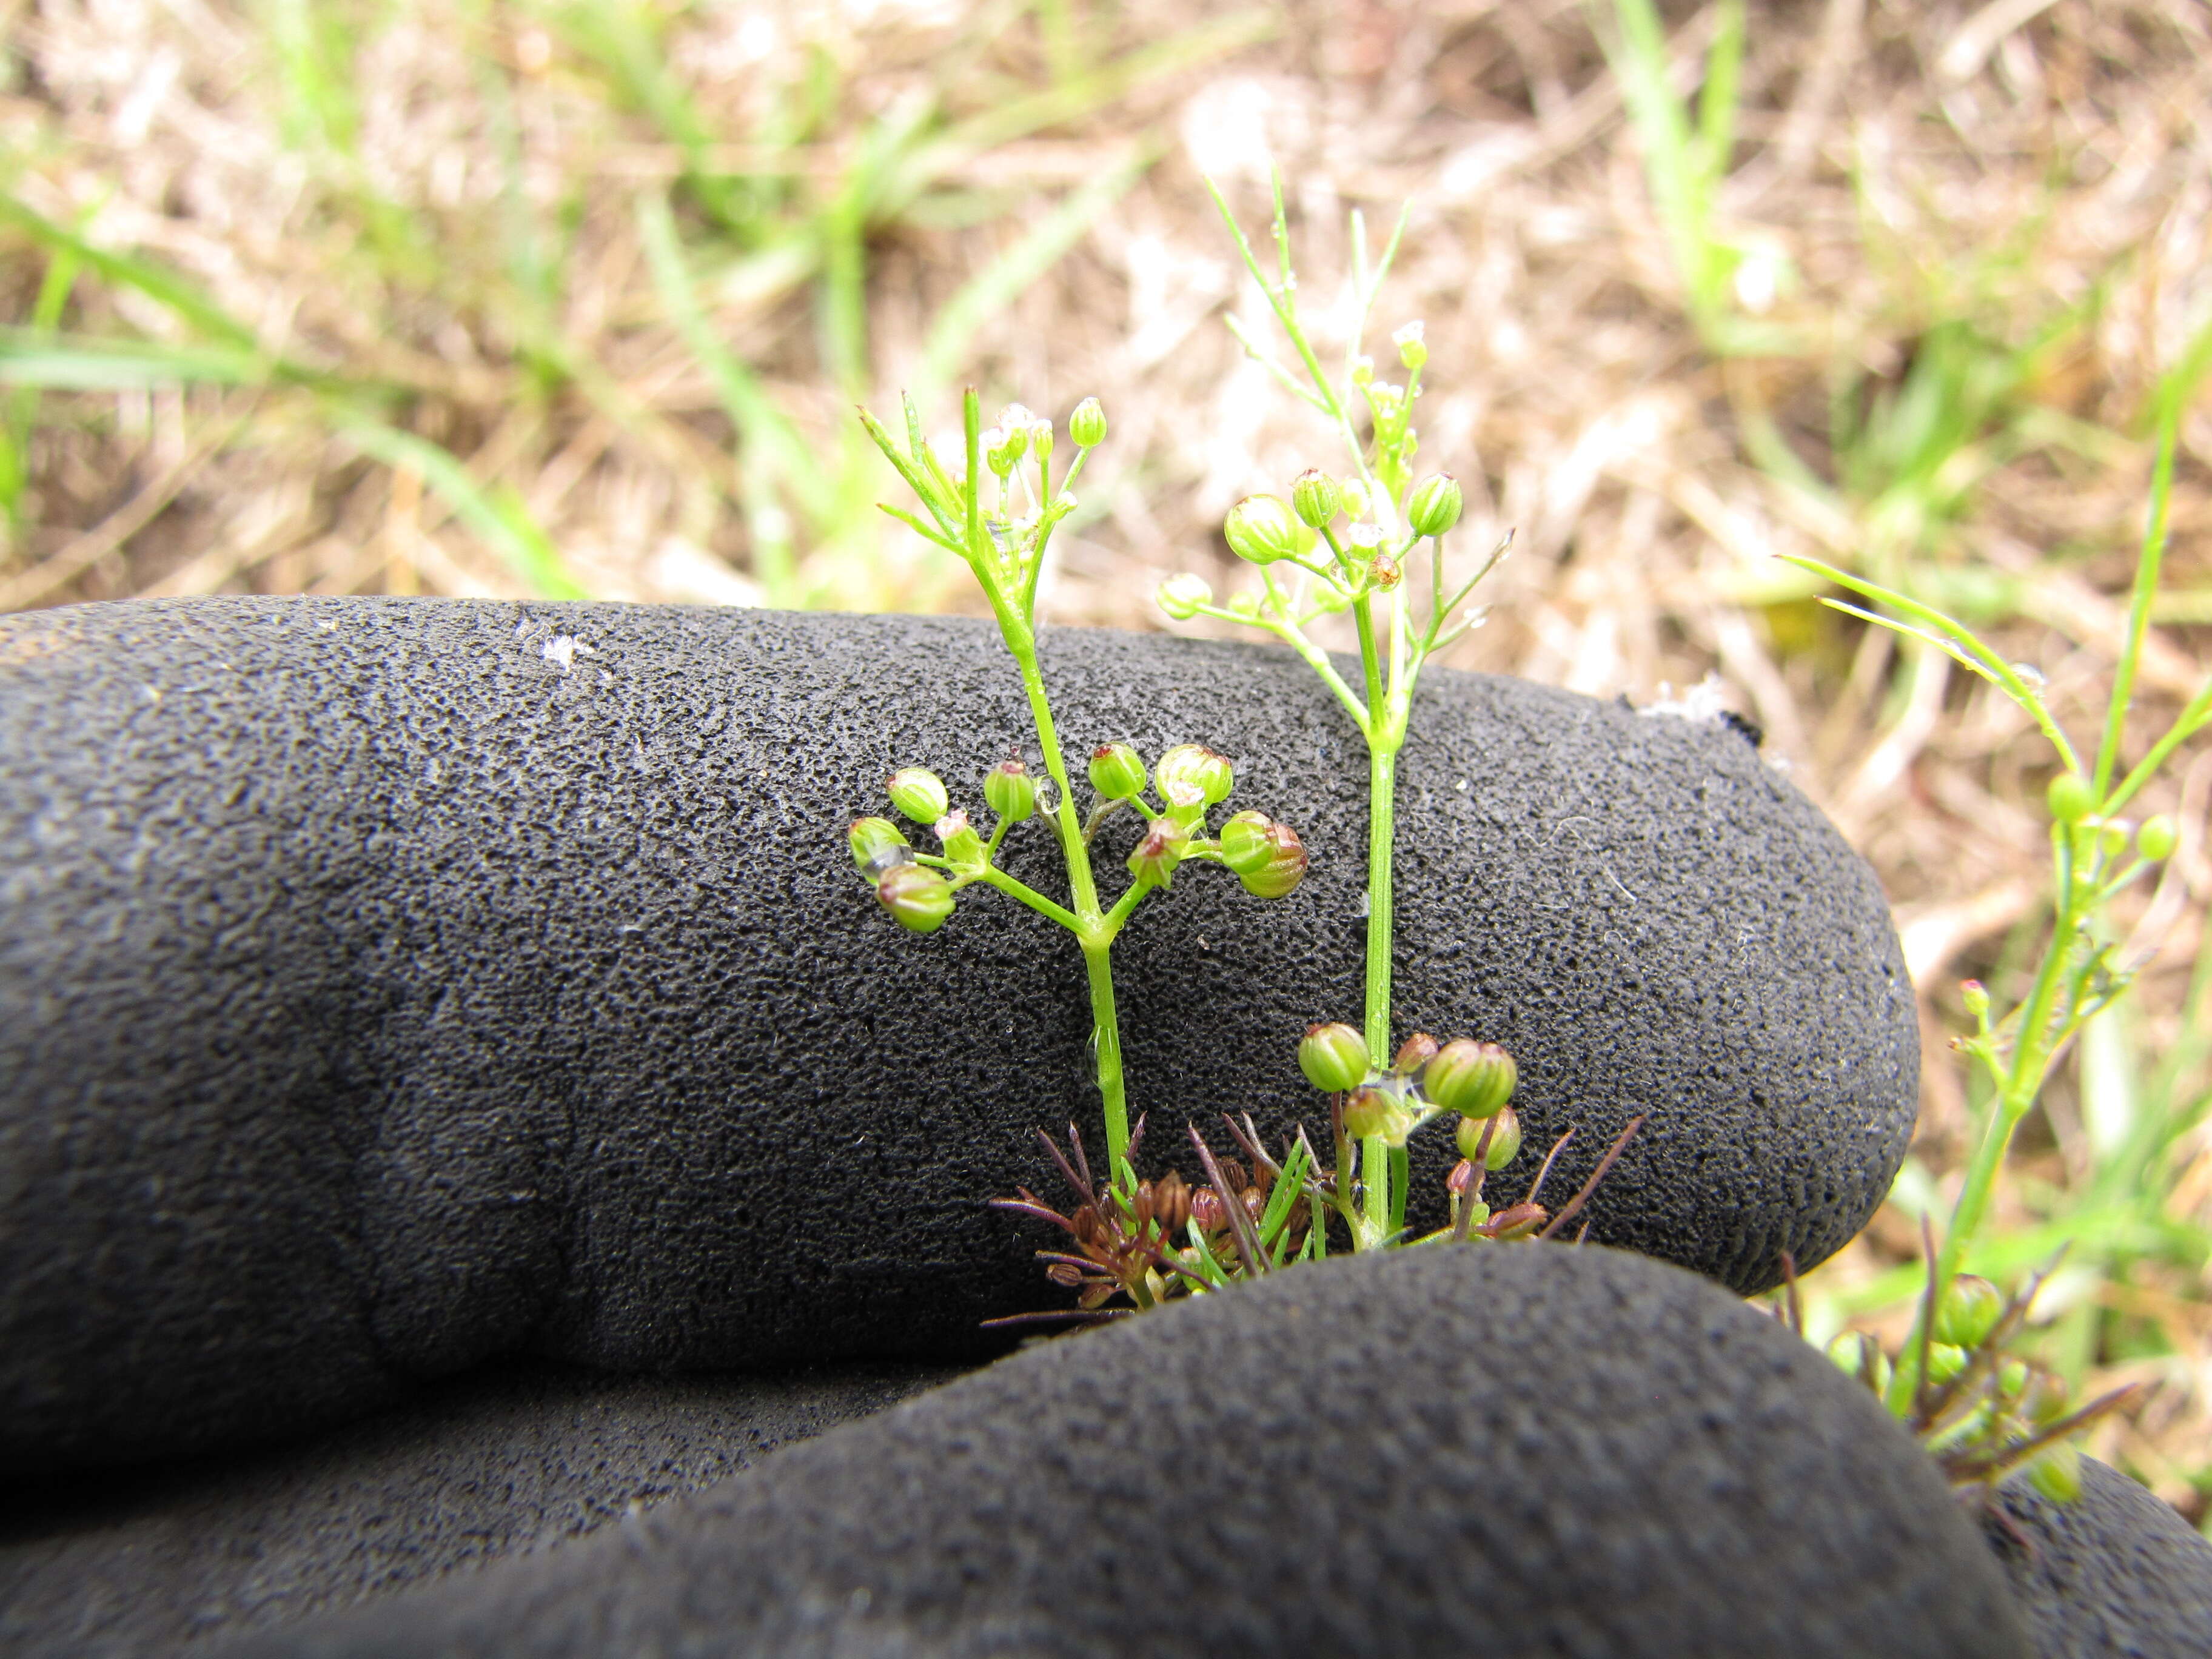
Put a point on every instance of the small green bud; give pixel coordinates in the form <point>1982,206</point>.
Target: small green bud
<point>1244,604</point>
<point>2157,838</point>
<point>1181,595</point>
<point>1504,1132</point>
<point>1969,1312</point>
<point>1413,348</point>
<point>1356,502</point>
<point>1158,854</point>
<point>961,843</point>
<point>1858,1354</point>
<point>1474,1079</point>
<point>1086,428</point>
<point>1041,440</point>
<point>1117,771</point>
<point>920,793</point>
<point>2112,837</point>
<point>1245,846</point>
<point>1286,866</point>
<point>1010,792</point>
<point>2044,1399</point>
<point>1415,1051</point>
<point>2056,1473</point>
<point>1945,1361</point>
<point>2071,797</point>
<point>1198,767</point>
<point>1315,497</point>
<point>1262,529</point>
<point>1976,996</point>
<point>1004,447</point>
<point>1434,505</point>
<point>1363,370</point>
<point>918,898</point>
<point>2013,1378</point>
<point>876,845</point>
<point>1369,1112</point>
<point>1334,1058</point>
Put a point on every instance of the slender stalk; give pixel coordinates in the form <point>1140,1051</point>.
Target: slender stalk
<point>1382,800</point>
<point>1106,1037</point>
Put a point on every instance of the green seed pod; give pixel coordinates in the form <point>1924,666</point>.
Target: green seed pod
<point>1945,1361</point>
<point>1316,497</point>
<point>1286,866</point>
<point>918,794</point>
<point>1262,529</point>
<point>2071,797</point>
<point>1245,846</point>
<point>1434,505</point>
<point>2112,837</point>
<point>2056,1473</point>
<point>1181,595</point>
<point>918,898</point>
<point>2013,1378</point>
<point>1334,1058</point>
<point>1086,428</point>
<point>1976,996</point>
<point>1117,771</point>
<point>2157,838</point>
<point>961,843</point>
<point>1970,1312</point>
<point>1198,766</point>
<point>1158,854</point>
<point>1368,1112</point>
<point>1010,792</point>
<point>876,845</point>
<point>1505,1140</point>
<point>1356,502</point>
<point>1363,370</point>
<point>1041,440</point>
<point>1474,1079</point>
<point>1413,348</point>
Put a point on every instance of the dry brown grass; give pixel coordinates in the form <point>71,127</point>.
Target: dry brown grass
<point>2016,171</point>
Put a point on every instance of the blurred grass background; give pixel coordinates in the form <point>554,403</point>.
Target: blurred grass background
<point>574,298</point>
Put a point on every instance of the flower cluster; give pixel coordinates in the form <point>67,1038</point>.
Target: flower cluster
<point>920,889</point>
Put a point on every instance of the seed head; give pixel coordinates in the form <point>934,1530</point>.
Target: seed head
<point>1434,505</point>
<point>1474,1079</point>
<point>876,845</point>
<point>1009,791</point>
<point>1197,765</point>
<point>1117,771</point>
<point>1284,868</point>
<point>1261,529</point>
<point>920,793</point>
<point>1181,595</point>
<point>918,898</point>
<point>1158,854</point>
<point>1334,1058</point>
<point>1316,497</point>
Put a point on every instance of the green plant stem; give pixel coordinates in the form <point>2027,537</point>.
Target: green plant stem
<point>2034,1047</point>
<point>1381,786</point>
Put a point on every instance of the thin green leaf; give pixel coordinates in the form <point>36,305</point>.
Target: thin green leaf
<point>987,296</point>
<point>497,515</point>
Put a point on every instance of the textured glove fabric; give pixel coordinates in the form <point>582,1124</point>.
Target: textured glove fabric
<point>1533,1449</point>
<point>391,984</point>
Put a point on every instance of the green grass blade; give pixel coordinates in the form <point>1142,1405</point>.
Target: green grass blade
<point>756,419</point>
<point>987,296</point>
<point>496,515</point>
